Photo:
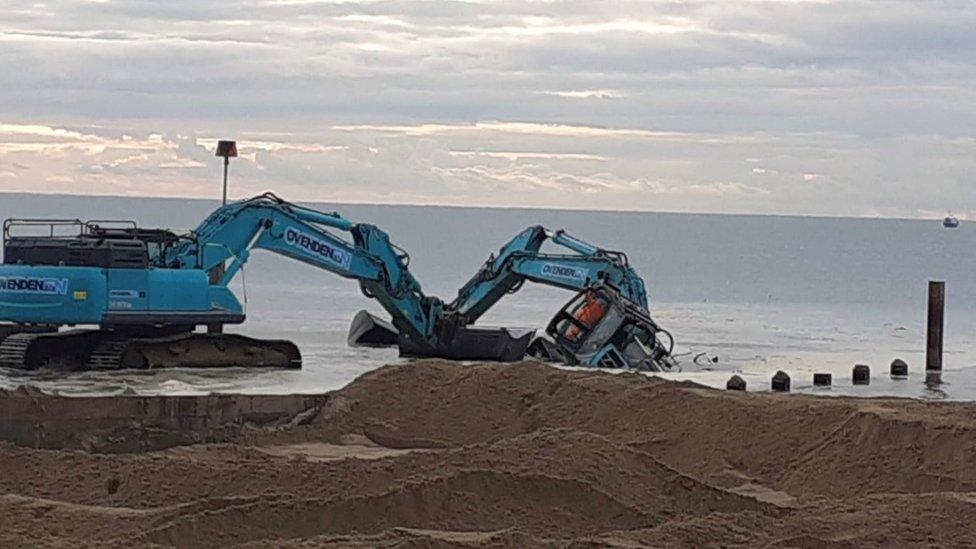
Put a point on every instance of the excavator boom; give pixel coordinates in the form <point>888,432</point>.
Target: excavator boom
<point>222,245</point>
<point>521,260</point>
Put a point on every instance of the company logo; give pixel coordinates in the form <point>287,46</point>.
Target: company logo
<point>124,294</point>
<point>324,250</point>
<point>567,273</point>
<point>32,285</point>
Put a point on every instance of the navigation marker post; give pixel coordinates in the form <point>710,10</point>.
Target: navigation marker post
<point>936,323</point>
<point>227,150</point>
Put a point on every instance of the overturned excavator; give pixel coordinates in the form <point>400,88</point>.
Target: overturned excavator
<point>111,295</point>
<point>606,324</point>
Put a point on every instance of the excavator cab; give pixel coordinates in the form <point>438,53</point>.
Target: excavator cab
<point>599,328</point>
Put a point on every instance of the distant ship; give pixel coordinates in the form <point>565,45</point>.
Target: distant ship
<point>950,222</point>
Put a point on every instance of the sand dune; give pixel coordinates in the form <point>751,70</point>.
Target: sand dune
<point>435,454</point>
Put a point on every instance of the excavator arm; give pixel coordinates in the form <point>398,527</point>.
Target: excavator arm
<point>221,245</point>
<point>586,266</point>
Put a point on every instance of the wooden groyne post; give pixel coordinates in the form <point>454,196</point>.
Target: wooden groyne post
<point>933,348</point>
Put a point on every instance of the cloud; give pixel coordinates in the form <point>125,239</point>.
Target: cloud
<point>567,101</point>
<point>547,130</point>
<point>533,178</point>
<point>585,94</point>
<point>516,155</point>
<point>50,141</point>
<point>181,163</point>
<point>272,146</point>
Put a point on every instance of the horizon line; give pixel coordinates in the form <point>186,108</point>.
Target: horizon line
<point>485,206</point>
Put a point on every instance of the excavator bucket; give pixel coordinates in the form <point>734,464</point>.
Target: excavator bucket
<point>476,343</point>
<point>464,343</point>
<point>368,330</point>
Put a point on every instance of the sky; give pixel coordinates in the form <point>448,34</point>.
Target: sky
<point>820,107</point>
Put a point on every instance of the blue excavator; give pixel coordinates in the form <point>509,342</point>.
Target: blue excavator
<point>142,293</point>
<point>147,290</point>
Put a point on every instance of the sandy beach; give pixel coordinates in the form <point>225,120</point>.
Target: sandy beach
<point>435,454</point>
<point>348,273</point>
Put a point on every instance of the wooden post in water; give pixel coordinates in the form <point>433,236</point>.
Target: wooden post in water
<point>933,349</point>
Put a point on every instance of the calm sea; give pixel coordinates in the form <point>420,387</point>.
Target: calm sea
<point>762,293</point>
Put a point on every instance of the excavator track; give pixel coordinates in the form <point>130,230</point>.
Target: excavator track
<point>194,350</point>
<point>15,339</point>
<point>107,355</point>
<point>66,350</point>
<point>74,350</point>
<point>13,350</point>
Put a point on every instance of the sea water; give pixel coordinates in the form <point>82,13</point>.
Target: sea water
<point>760,293</point>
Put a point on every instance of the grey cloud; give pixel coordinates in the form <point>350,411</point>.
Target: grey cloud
<point>871,96</point>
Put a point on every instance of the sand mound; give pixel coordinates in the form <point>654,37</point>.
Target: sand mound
<point>489,485</point>
<point>830,446</point>
<point>438,454</point>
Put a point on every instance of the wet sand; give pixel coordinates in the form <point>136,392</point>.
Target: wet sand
<point>435,454</point>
